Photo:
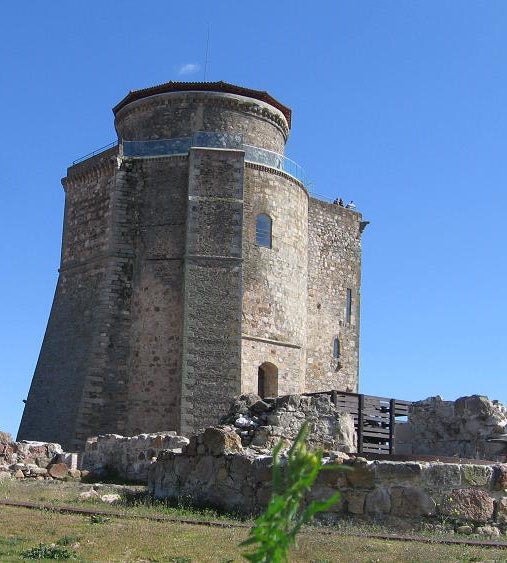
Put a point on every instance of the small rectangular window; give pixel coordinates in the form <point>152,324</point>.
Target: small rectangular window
<point>263,225</point>
<point>348,306</point>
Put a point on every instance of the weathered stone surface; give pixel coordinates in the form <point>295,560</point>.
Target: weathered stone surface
<point>264,424</point>
<point>58,470</point>
<point>441,476</point>
<point>501,511</point>
<point>388,471</point>
<point>470,427</point>
<point>240,481</point>
<point>89,495</point>
<point>218,441</point>
<point>378,501</point>
<point>355,501</point>
<point>411,502</point>
<point>476,475</point>
<point>500,477</point>
<point>362,475</point>
<point>490,531</point>
<point>128,457</point>
<point>4,475</point>
<point>468,504</point>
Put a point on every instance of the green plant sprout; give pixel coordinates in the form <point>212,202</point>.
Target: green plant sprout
<point>276,530</point>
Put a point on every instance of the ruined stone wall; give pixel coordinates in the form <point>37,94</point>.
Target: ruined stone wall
<point>471,427</point>
<point>180,114</point>
<point>211,362</point>
<point>334,264</point>
<point>274,280</point>
<point>128,457</point>
<point>213,470</point>
<point>262,423</point>
<point>35,460</point>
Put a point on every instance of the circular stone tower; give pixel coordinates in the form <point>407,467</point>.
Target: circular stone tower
<point>193,264</point>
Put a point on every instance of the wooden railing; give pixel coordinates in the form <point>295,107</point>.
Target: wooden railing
<point>374,418</point>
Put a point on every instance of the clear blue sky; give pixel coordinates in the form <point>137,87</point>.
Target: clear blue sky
<point>398,105</point>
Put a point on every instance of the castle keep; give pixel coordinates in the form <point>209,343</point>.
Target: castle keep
<point>195,266</point>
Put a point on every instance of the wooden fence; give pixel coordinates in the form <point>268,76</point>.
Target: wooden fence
<point>374,418</point>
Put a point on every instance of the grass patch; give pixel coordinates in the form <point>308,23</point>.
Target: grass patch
<point>136,540</point>
<point>144,540</point>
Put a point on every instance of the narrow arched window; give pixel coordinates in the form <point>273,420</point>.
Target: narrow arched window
<point>263,225</point>
<point>336,348</point>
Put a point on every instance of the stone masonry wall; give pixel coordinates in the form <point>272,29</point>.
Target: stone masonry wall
<point>69,346</point>
<point>180,114</point>
<point>471,427</point>
<point>154,363</point>
<point>214,470</point>
<point>334,264</point>
<point>274,280</point>
<point>127,457</point>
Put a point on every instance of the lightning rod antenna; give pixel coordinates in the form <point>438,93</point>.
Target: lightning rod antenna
<point>207,52</point>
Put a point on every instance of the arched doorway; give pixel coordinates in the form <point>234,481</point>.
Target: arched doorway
<point>267,382</point>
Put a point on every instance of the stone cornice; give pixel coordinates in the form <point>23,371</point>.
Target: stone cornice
<point>93,170</point>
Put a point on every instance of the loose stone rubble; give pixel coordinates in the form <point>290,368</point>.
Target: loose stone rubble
<point>471,427</point>
<point>37,460</point>
<point>128,457</point>
<point>264,422</point>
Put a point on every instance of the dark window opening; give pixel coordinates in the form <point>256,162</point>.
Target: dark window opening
<point>336,348</point>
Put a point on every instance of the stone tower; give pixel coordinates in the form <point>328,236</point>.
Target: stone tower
<point>195,266</point>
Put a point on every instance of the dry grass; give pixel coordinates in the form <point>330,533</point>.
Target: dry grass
<point>142,540</point>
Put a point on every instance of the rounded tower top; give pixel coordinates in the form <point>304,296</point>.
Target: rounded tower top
<point>180,109</point>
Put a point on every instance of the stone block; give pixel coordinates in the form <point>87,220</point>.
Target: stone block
<point>324,493</point>
<point>217,441</point>
<point>58,470</point>
<point>501,510</point>
<point>476,475</point>
<point>441,476</point>
<point>378,502</point>
<point>411,502</point>
<point>362,475</point>
<point>397,472</point>
<point>499,477</point>
<point>355,501</point>
<point>468,504</point>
